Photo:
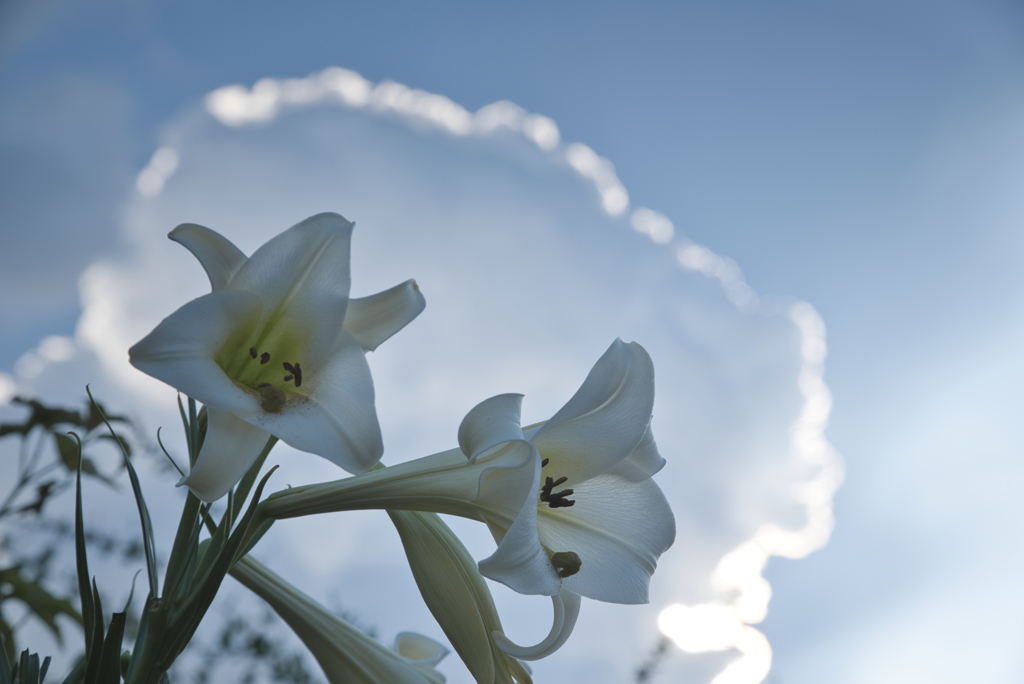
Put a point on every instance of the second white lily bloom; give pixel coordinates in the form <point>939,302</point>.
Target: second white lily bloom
<point>277,348</point>
<point>570,502</point>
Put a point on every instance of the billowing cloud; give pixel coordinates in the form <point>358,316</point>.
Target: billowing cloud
<point>532,261</point>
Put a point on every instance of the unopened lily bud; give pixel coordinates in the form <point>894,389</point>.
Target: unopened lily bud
<point>457,595</point>
<point>346,655</point>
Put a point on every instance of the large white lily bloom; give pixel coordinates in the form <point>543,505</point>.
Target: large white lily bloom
<point>346,655</point>
<point>277,349</point>
<point>570,502</point>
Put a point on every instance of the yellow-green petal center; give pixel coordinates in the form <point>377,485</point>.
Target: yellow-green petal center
<point>265,361</point>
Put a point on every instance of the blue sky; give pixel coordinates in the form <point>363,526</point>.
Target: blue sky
<point>863,157</point>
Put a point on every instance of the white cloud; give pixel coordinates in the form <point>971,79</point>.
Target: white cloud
<point>528,277</point>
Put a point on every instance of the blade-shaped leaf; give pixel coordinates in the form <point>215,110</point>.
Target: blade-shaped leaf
<point>188,432</point>
<point>147,525</point>
<point>209,581</point>
<point>88,609</point>
<point>109,670</point>
<point>92,656</point>
<point>28,668</point>
<point>245,484</point>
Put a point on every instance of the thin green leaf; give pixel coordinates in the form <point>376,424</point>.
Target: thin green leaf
<point>140,641</point>
<point>44,669</point>
<point>92,656</point>
<point>88,609</point>
<point>193,428</point>
<point>184,543</point>
<point>184,424</point>
<point>121,442</point>
<point>245,484</point>
<point>202,596</point>
<point>147,525</point>
<point>109,670</point>
<point>98,414</point>
<point>169,458</point>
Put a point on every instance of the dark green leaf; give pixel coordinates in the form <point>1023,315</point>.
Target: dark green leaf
<point>68,450</point>
<point>45,416</point>
<point>92,657</point>
<point>109,671</point>
<point>44,669</point>
<point>45,605</point>
<point>81,561</point>
<point>28,668</point>
<point>184,625</point>
<point>245,484</point>
<point>43,492</point>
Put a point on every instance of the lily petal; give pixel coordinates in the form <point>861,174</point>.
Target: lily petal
<point>180,351</point>
<point>567,611</point>
<point>492,422</point>
<point>607,417</point>
<point>230,447</point>
<point>337,420</point>
<point>218,256</point>
<point>303,277</point>
<point>619,526</point>
<point>419,649</point>
<point>520,562</point>
<point>646,456</point>
<point>372,320</point>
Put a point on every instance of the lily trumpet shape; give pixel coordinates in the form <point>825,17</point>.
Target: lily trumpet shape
<point>570,501</point>
<point>277,348</point>
<point>346,655</point>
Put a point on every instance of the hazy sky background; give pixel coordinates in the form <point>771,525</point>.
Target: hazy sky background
<point>864,157</point>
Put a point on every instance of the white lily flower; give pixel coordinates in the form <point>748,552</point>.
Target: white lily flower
<point>346,655</point>
<point>570,502</point>
<point>277,349</point>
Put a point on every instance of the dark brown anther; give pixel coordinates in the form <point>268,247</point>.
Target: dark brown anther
<point>288,367</point>
<point>555,499</point>
<point>559,501</point>
<point>544,462</point>
<point>264,357</point>
<point>567,563</point>
<point>252,352</point>
<point>288,377</point>
<point>298,375</point>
